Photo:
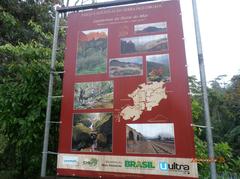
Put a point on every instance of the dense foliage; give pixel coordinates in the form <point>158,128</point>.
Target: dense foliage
<point>25,52</point>
<point>224,102</point>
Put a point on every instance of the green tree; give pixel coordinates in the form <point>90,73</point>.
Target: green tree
<point>15,16</point>
<point>223,102</point>
<point>23,95</point>
<point>233,103</point>
<point>25,51</point>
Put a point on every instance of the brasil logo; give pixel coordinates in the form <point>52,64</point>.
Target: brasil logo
<point>140,164</point>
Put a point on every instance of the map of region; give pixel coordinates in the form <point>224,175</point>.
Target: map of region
<point>145,97</point>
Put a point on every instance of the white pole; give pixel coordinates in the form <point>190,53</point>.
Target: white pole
<point>204,90</point>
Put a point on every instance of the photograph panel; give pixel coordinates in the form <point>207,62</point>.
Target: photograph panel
<point>157,138</point>
<point>92,132</point>
<point>151,27</point>
<point>92,52</point>
<point>93,95</point>
<point>148,43</point>
<point>123,67</point>
<point>158,68</point>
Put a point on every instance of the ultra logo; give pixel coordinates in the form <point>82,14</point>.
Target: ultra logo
<point>139,164</point>
<point>164,166</point>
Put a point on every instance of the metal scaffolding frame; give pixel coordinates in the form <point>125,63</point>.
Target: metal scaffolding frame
<point>50,92</point>
<point>53,72</point>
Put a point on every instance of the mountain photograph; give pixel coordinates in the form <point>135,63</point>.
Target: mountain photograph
<point>158,68</point>
<point>123,67</point>
<point>92,52</point>
<point>151,27</point>
<point>140,44</point>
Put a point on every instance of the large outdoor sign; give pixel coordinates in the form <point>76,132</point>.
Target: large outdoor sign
<point>126,110</point>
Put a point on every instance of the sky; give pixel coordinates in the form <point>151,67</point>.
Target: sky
<point>143,26</point>
<point>220,32</point>
<point>137,60</point>
<point>163,58</point>
<point>145,39</point>
<point>153,130</point>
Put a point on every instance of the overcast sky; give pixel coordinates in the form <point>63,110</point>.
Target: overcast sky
<point>154,130</point>
<point>220,30</point>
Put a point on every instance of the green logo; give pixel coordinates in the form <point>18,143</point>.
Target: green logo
<point>92,162</point>
<point>139,164</point>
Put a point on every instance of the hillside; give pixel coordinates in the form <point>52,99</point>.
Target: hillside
<point>93,36</point>
<point>151,29</point>
<point>122,64</point>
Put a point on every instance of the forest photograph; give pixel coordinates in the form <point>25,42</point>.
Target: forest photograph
<point>123,67</point>
<point>92,132</point>
<point>151,28</point>
<point>148,43</point>
<point>93,95</point>
<point>92,52</point>
<point>158,68</point>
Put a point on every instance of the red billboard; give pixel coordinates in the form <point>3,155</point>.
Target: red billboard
<point>126,111</point>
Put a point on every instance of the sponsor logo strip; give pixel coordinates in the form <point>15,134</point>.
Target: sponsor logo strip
<point>129,164</point>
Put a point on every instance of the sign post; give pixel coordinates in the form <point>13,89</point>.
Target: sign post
<point>204,90</point>
<point>50,93</point>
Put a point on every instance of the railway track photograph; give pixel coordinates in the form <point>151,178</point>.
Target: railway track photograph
<point>150,138</point>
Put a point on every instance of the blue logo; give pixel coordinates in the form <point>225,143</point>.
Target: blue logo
<point>163,166</point>
<point>70,160</point>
